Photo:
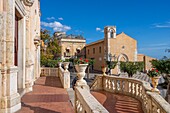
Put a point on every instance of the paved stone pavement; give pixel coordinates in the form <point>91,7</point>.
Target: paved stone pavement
<point>48,96</point>
<point>116,103</point>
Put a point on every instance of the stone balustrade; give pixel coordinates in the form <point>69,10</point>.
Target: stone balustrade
<point>58,72</point>
<point>46,71</point>
<point>86,103</point>
<point>64,77</point>
<point>152,102</point>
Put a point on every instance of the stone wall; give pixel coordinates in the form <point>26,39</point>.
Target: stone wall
<point>17,79</point>
<point>72,45</point>
<point>146,60</point>
<point>93,52</point>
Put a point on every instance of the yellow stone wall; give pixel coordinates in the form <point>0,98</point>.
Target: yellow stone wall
<point>129,44</point>
<point>73,45</point>
<point>98,56</point>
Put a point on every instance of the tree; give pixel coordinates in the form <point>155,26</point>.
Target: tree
<point>45,35</point>
<point>131,67</point>
<point>52,49</point>
<point>163,66</point>
<point>111,65</point>
<point>91,63</point>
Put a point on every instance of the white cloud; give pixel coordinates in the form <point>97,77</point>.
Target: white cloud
<point>158,46</point>
<point>98,29</point>
<point>153,48</point>
<point>60,18</point>
<point>57,26</point>
<point>50,18</point>
<point>162,25</point>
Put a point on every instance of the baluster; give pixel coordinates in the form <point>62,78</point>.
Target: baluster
<point>111,85</point>
<point>135,91</point>
<point>115,82</point>
<point>131,88</point>
<point>121,86</point>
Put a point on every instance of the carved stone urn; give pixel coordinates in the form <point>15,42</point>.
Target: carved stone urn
<point>66,64</point>
<point>80,68</point>
<point>155,83</point>
<point>59,64</point>
<point>104,71</point>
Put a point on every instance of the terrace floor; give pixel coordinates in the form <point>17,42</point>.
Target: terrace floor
<point>116,103</point>
<point>48,96</point>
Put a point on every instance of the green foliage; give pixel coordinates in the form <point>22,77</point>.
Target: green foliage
<point>111,65</point>
<point>153,73</point>
<point>131,67</point>
<point>45,35</point>
<point>162,65</point>
<point>49,55</point>
<point>91,62</point>
<point>81,61</point>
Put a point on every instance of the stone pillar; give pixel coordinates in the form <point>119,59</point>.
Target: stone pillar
<point>11,99</point>
<point>29,62</point>
<point>3,98</point>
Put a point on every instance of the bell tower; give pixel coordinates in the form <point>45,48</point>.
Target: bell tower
<point>109,33</point>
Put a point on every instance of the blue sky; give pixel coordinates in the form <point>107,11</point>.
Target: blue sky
<point>147,21</point>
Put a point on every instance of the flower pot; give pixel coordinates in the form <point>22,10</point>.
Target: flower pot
<point>155,83</point>
<point>59,64</point>
<point>104,71</point>
<point>80,68</point>
<point>66,64</point>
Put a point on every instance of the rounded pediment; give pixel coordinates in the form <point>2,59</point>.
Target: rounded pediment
<point>28,2</point>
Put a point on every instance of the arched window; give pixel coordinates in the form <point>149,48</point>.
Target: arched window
<point>111,33</point>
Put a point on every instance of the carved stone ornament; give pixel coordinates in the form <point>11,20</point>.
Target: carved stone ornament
<point>28,2</point>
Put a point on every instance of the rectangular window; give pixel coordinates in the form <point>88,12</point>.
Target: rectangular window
<point>88,51</point>
<point>93,50</point>
<point>100,49</point>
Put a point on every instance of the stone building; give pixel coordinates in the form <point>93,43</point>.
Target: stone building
<point>114,47</point>
<point>19,51</point>
<point>71,46</point>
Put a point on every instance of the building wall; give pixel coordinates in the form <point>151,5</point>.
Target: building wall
<point>72,45</point>
<point>123,44</point>
<point>98,55</point>
<point>18,78</point>
<point>122,48</point>
<point>146,60</point>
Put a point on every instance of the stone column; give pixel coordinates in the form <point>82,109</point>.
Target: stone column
<point>3,97</point>
<point>9,76</point>
<point>29,62</point>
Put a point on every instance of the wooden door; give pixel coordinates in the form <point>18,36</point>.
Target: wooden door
<point>16,42</point>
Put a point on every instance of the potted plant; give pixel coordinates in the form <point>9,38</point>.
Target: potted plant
<point>81,65</point>
<point>103,67</point>
<point>59,62</point>
<point>66,63</point>
<point>154,75</point>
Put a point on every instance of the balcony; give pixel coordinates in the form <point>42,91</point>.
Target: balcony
<point>107,94</point>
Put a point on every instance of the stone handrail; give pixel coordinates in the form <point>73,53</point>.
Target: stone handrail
<point>47,71</point>
<point>64,77</point>
<point>151,102</point>
<point>86,103</point>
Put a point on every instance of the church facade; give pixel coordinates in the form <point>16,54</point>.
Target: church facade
<point>19,51</point>
<point>115,47</point>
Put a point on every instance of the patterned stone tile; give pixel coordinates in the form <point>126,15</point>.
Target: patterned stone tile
<point>48,96</point>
